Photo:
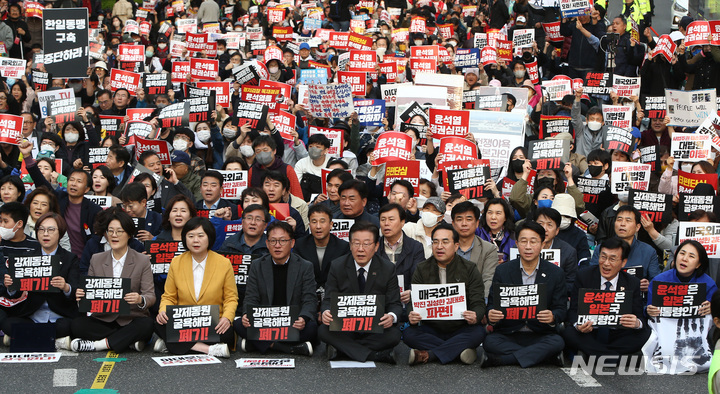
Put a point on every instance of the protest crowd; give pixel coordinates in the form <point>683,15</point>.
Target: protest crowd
<point>524,183</point>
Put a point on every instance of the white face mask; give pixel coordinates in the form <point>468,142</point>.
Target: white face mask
<point>7,233</point>
<point>229,133</point>
<point>687,167</point>
<point>594,125</point>
<point>273,70</point>
<point>623,197</point>
<point>203,136</point>
<point>162,45</point>
<point>565,222</point>
<point>47,148</point>
<point>246,150</point>
<point>519,73</point>
<point>429,219</point>
<point>71,138</point>
<point>180,144</point>
<point>220,52</point>
<point>418,42</point>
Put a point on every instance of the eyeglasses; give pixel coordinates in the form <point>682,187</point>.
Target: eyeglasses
<point>281,242</point>
<point>364,245</point>
<point>115,232</point>
<point>251,219</point>
<point>48,230</point>
<point>444,242</point>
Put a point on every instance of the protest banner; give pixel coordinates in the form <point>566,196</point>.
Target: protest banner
<point>156,83</point>
<point>708,234</point>
<point>552,31</point>
<point>162,253</point>
<point>140,129</point>
<point>37,357</point>
<point>180,71</point>
<point>175,115</point>
<point>571,8</point>
<point>273,323</point>
<point>196,42</point>
<point>110,125</point>
<point>191,359</point>
<point>602,307</point>
<point>549,154</point>
<point>657,207</point>
<point>158,146</point>
<point>285,124</point>
<point>192,323</point>
<point>690,108</point>
<point>390,70</point>
<point>120,79</point>
<point>690,203</point>
<point>336,137</point>
<point>618,138</point>
<point>356,80</point>
<point>520,302</point>
<point>690,147</point>
<point>649,155</point>
<point>408,170</point>
<point>591,188</point>
<point>480,40</point>
<point>532,71</point>
<point>626,176</point>
<point>392,146</point>
<point>677,300</point>
<point>33,273</point>
<point>11,129</point>
<point>139,113</point>
<point>488,55</point>
<point>711,127</point>
<point>234,182</point>
<point>357,312</point>
<point>249,363</point>
<point>12,68</point>
<point>34,9</point>
<point>97,156</point>
<point>131,53</point>
<point>362,61</point>
<point>449,123</point>
<point>309,76</point>
<point>655,107</point>
<point>203,69</point>
<point>439,301</point>
<point>598,83</point>
<point>330,101</point>
<point>467,58</point>
<point>370,112</point>
<point>618,116</point>
<point>550,126</point>
<point>697,33</point>
<point>557,88</point>
<point>688,181</point>
<point>456,149</point>
<point>523,38</point>
<point>470,182</point>
<point>66,40</point>
<point>341,228</point>
<point>62,110</point>
<point>359,42</point>
<point>105,295</point>
<point>626,86</point>
<point>423,66</point>
<point>201,107</point>
<point>664,46</point>
<point>254,114</point>
<point>477,164</point>
<point>40,80</point>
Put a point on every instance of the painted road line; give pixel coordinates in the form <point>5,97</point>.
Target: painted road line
<point>581,378</point>
<point>65,377</point>
<point>104,372</point>
<point>68,353</point>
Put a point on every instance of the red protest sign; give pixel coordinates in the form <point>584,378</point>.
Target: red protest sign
<point>357,81</point>
<point>665,46</point>
<point>196,42</point>
<point>280,210</point>
<point>272,52</point>
<point>363,61</point>
<point>359,42</point>
<point>715,33</point>
<point>456,149</point>
<point>222,92</point>
<point>131,53</point>
<point>285,89</point>
<point>552,31</point>
<point>423,65</point>
<point>10,129</point>
<point>449,122</point>
<point>180,71</point>
<point>504,50</point>
<point>407,170</point>
<point>417,25</point>
<point>446,31</point>
<point>158,146</point>
<point>698,33</point>
<point>285,124</point>
<point>488,55</point>
<point>33,9</point>
<point>275,15</point>
<point>139,113</point>
<point>338,40</point>
<point>688,181</point>
<point>532,69</point>
<point>203,69</point>
<point>425,52</point>
<point>392,146</point>
<point>282,34</point>
<point>390,70</point>
<point>125,80</point>
<point>257,94</point>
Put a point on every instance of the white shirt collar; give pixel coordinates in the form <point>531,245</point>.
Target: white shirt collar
<point>613,282</point>
<point>200,263</point>
<point>366,267</point>
<point>121,260</point>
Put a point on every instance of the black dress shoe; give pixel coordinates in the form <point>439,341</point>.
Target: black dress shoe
<point>331,352</point>
<point>385,356</point>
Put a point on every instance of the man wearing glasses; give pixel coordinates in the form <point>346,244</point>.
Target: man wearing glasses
<point>281,279</point>
<point>446,340</point>
<point>251,239</point>
<point>361,272</point>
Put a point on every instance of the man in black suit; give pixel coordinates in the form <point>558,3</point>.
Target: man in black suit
<point>527,342</point>
<point>550,219</point>
<point>361,272</point>
<point>397,247</point>
<point>633,332</point>
<point>320,247</point>
<point>281,279</point>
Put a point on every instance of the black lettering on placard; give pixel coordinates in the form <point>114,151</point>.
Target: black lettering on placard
<point>602,307</point>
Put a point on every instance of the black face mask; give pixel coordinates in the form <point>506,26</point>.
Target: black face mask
<point>546,182</point>
<point>517,165</point>
<point>595,170</point>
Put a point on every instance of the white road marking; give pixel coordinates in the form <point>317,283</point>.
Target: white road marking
<point>581,378</point>
<point>65,377</point>
<point>68,353</point>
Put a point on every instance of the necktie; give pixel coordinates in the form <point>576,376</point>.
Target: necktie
<point>608,285</point>
<point>603,333</point>
<point>361,279</point>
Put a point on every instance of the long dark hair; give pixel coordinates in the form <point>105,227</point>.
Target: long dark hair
<point>702,255</point>
<point>509,224</point>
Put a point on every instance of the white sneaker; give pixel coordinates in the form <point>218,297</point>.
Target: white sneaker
<point>62,343</point>
<point>243,343</point>
<point>6,340</point>
<point>159,346</point>
<point>80,345</point>
<point>219,350</point>
<point>138,346</point>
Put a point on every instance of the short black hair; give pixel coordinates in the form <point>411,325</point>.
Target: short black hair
<point>257,207</point>
<point>446,226</point>
<point>602,156</point>
<point>17,182</point>
<point>107,174</point>
<point>193,224</point>
<point>88,179</point>
<point>165,222</point>
<point>550,213</point>
<point>125,220</point>
<point>282,226</point>
<point>343,175</point>
<point>532,226</point>
<point>145,176</point>
<point>362,225</point>
<point>406,184</point>
<point>319,139</point>
<point>320,208</point>
<point>121,154</point>
<point>390,207</point>
<point>264,139</point>
<point>631,209</point>
<point>17,211</point>
<point>256,192</point>
<point>143,156</point>
<point>615,243</point>
<point>276,176</point>
<point>134,191</point>
<point>463,207</point>
<point>213,174</point>
<point>358,185</point>
<point>335,160</point>
<point>52,137</point>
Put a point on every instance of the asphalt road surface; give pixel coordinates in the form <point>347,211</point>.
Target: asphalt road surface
<point>140,374</point>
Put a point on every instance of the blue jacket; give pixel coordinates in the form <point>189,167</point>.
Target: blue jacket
<point>640,254</point>
<point>507,243</point>
<point>671,276</point>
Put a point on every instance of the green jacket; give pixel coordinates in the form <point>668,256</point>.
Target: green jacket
<point>458,271</point>
<point>192,181</point>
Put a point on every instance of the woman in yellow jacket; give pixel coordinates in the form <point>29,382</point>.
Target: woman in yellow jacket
<point>199,277</point>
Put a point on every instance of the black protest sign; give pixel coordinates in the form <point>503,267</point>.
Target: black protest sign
<point>253,113</point>
<point>134,67</point>
<point>649,155</point>
<point>655,107</point>
<point>41,80</point>
<point>357,312</point>
<point>636,271</point>
<point>273,323</point>
<point>550,126</point>
<point>241,266</point>
<point>520,302</point>
<point>470,182</point>
<point>678,299</point>
<point>655,206</point>
<point>618,138</point>
<point>201,107</point>
<point>156,83</point>
<point>194,91</point>
<point>591,188</point>
<point>192,323</point>
<point>245,74</point>
<point>66,42</point>
<point>105,295</point>
<point>63,110</point>
<point>550,154</point>
<point>495,102</point>
<point>97,156</point>
<point>602,307</point>
<point>690,203</point>
<point>162,253</point>
<point>111,125</point>
<point>33,273</point>
<point>139,128</point>
<point>421,129</point>
<point>598,83</point>
<point>413,110</point>
<point>258,47</point>
<point>469,98</point>
<point>175,115</point>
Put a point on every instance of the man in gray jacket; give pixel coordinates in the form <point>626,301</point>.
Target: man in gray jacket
<point>592,135</point>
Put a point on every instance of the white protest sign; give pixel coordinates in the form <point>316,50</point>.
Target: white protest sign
<point>558,88</point>
<point>523,38</point>
<point>245,363</point>
<point>626,86</point>
<point>690,147</point>
<point>18,358</point>
<point>45,97</point>
<point>626,176</point>
<point>190,359</point>
<point>708,234</point>
<point>690,108</point>
<point>439,302</point>
<point>618,116</point>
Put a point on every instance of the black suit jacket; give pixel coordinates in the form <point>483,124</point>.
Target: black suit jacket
<point>509,274</point>
<point>412,254</point>
<point>305,248</point>
<point>589,278</point>
<point>57,302</point>
<point>381,280</point>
